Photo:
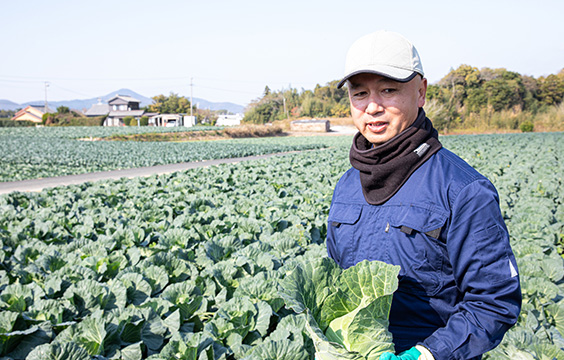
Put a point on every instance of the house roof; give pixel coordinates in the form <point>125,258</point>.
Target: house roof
<point>42,108</point>
<point>122,99</point>
<point>98,110</point>
<point>39,109</point>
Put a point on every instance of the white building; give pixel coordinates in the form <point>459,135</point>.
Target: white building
<point>171,120</point>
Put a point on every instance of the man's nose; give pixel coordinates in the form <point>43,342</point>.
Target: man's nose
<point>374,106</point>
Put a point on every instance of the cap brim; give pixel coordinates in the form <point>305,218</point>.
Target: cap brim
<point>398,79</point>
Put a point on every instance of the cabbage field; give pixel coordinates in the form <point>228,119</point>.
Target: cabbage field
<point>201,264</point>
<point>31,153</point>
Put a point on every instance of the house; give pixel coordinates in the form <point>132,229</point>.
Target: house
<point>229,120</point>
<point>117,108</point>
<point>32,113</point>
<point>122,106</point>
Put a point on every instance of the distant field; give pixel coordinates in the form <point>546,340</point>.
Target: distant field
<point>77,132</point>
<point>31,153</point>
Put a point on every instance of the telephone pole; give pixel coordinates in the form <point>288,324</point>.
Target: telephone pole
<point>46,104</point>
<point>191,102</point>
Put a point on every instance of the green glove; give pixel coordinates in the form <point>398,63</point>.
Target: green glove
<point>411,354</point>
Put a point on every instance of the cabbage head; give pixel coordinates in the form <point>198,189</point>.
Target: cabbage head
<point>347,311</point>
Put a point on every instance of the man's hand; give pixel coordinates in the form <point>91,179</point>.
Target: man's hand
<point>411,354</point>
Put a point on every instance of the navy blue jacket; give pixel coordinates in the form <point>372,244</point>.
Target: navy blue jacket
<point>458,289</point>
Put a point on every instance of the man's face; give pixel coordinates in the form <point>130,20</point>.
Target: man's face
<point>382,108</point>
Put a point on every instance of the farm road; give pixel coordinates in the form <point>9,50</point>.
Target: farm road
<point>40,184</point>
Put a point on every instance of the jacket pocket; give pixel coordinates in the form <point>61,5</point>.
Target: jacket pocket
<point>494,254</point>
<point>420,248</point>
<point>347,214</point>
<point>424,221</point>
<point>342,239</point>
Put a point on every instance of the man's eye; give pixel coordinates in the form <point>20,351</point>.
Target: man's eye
<point>389,91</point>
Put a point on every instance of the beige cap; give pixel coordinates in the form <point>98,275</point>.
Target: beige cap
<point>384,53</point>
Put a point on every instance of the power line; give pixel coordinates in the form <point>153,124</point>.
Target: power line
<point>179,78</point>
<point>12,81</point>
<point>69,90</point>
<point>34,78</point>
<point>227,90</point>
<point>21,81</point>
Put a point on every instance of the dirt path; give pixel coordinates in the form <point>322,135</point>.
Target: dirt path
<point>40,184</point>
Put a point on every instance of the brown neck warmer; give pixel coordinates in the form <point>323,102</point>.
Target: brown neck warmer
<point>385,168</point>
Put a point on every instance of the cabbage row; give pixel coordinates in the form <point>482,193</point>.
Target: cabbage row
<point>158,266</point>
<point>528,173</point>
<point>192,265</point>
<point>30,153</point>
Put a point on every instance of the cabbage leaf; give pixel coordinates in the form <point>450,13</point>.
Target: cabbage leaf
<point>347,310</point>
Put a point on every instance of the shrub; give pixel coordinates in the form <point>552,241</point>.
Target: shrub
<point>13,123</point>
<point>129,120</point>
<point>48,119</point>
<point>83,121</point>
<point>527,126</point>
<point>144,121</point>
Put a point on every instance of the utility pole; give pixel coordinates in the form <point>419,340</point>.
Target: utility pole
<point>285,111</point>
<point>191,102</point>
<point>46,104</point>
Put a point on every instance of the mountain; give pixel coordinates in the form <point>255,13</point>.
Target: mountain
<point>85,104</point>
<point>9,105</point>
<point>204,104</point>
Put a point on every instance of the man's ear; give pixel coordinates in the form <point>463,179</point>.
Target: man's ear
<point>422,92</point>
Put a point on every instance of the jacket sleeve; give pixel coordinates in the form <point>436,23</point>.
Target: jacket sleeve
<point>485,273</point>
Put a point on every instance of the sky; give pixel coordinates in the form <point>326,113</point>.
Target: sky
<point>229,50</point>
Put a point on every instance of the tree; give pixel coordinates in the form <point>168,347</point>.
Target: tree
<point>551,89</point>
<point>531,97</point>
<point>7,114</point>
<point>313,107</point>
<point>476,99</point>
<point>172,104</point>
<point>340,110</point>
<point>505,91</point>
<point>323,101</point>
<point>63,110</point>
<point>260,113</point>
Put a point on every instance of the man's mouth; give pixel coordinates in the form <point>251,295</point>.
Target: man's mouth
<point>377,126</point>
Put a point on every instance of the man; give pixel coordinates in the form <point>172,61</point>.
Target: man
<point>410,202</point>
